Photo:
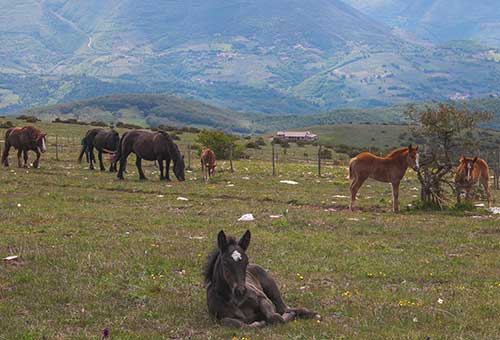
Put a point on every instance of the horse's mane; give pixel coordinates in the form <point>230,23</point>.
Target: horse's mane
<point>397,151</point>
<point>172,147</point>
<point>208,269</point>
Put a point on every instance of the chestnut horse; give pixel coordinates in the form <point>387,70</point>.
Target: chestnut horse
<point>24,139</point>
<point>470,171</point>
<point>389,169</point>
<point>241,294</point>
<point>207,163</point>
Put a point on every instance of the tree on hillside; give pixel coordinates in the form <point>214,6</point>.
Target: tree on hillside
<point>446,132</point>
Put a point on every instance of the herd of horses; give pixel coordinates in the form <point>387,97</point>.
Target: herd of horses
<point>239,294</point>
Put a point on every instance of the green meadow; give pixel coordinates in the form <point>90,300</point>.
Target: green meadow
<point>96,253</point>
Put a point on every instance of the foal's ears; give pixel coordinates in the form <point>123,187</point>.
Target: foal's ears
<point>222,240</point>
<point>474,160</point>
<point>462,159</point>
<point>244,241</point>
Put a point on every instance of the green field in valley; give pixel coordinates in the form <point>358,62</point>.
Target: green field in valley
<point>96,253</point>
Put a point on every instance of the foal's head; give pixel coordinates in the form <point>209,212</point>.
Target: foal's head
<point>234,262</point>
<point>467,166</point>
<point>413,158</point>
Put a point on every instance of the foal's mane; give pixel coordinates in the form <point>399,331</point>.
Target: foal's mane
<point>208,269</point>
<point>397,152</point>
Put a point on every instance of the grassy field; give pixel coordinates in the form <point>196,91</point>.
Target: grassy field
<point>98,253</point>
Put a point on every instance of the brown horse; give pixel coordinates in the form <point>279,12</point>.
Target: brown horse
<point>389,169</point>
<point>240,294</point>
<point>151,146</point>
<point>24,139</point>
<point>207,163</point>
<point>470,171</point>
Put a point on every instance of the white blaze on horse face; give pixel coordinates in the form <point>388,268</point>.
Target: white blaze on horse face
<point>468,171</point>
<point>236,256</point>
<point>417,163</point>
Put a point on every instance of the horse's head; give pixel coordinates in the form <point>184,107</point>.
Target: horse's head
<point>234,262</point>
<point>467,166</point>
<point>41,143</point>
<point>413,158</point>
<point>179,168</point>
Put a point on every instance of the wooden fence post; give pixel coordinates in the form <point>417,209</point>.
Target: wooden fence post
<point>189,157</point>
<point>231,157</point>
<point>274,165</point>
<point>319,161</point>
<point>57,148</point>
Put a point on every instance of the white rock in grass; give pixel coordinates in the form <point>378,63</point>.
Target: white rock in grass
<point>182,198</point>
<point>289,182</point>
<point>161,196</point>
<point>275,216</point>
<point>11,258</point>
<point>480,205</point>
<point>440,301</point>
<point>495,210</point>
<point>246,218</point>
<point>19,205</point>
<point>339,196</point>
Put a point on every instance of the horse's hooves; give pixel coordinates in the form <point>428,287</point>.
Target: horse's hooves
<point>276,319</point>
<point>143,179</point>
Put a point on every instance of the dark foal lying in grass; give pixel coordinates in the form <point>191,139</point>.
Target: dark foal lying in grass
<point>240,294</point>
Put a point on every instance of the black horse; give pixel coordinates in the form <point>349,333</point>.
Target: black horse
<point>240,294</point>
<point>151,146</point>
<point>104,141</point>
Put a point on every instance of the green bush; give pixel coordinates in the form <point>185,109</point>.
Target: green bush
<point>220,143</point>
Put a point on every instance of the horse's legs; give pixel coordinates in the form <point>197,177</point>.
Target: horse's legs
<point>25,158</point>
<point>138,164</point>
<point>123,164</point>
<point>357,182</point>
<point>19,162</point>
<point>395,197</point>
<point>267,308</point>
<point>167,169</point>
<point>162,169</point>
<point>5,154</point>
<point>458,192</point>
<point>101,164</point>
<point>91,157</point>
<point>270,288</point>
<point>37,160</point>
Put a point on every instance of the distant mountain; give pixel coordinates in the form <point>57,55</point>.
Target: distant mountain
<point>153,110</point>
<point>439,21</point>
<point>273,56</point>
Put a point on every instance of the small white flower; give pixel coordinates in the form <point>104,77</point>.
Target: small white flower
<point>440,301</point>
<point>19,205</point>
<point>415,319</point>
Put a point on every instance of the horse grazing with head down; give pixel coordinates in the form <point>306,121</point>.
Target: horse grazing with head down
<point>240,294</point>
<point>389,169</point>
<point>207,163</point>
<point>470,171</point>
<point>24,139</point>
<point>151,146</point>
<point>103,141</point>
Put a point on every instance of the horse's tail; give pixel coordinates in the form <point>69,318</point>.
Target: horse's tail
<point>118,154</point>
<point>351,163</point>
<point>83,151</point>
<point>5,153</point>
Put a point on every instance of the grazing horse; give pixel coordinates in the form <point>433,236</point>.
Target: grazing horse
<point>389,169</point>
<point>103,141</point>
<point>470,171</point>
<point>240,294</point>
<point>207,163</point>
<point>151,146</point>
<point>24,139</point>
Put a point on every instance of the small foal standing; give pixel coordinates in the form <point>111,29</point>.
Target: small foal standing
<point>470,171</point>
<point>240,294</point>
<point>207,163</point>
<point>389,169</point>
